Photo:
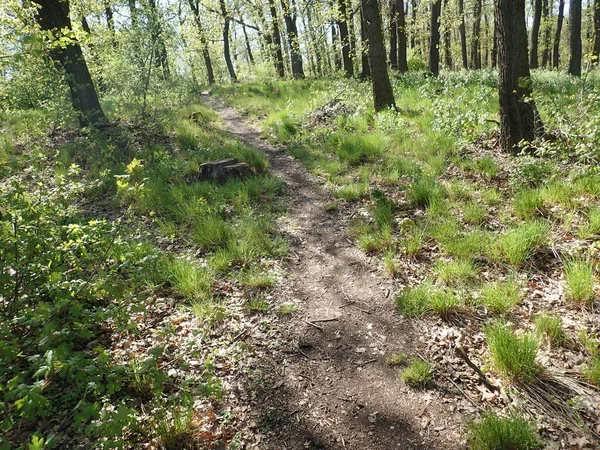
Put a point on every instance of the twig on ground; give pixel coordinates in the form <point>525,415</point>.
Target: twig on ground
<point>314,325</point>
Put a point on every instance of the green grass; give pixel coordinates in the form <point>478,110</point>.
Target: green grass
<point>257,305</point>
<point>474,213</point>
<point>592,227</point>
<point>423,191</point>
<point>455,272</point>
<point>351,192</point>
<point>500,297</point>
<point>428,299</point>
<point>529,204</point>
<point>591,371</point>
<point>580,282</point>
<point>550,327</point>
<point>492,432</point>
<point>287,309</point>
<point>512,355</point>
<point>487,166</point>
<point>397,359</point>
<point>189,279</point>
<point>418,374</point>
<point>520,243</point>
<point>355,149</point>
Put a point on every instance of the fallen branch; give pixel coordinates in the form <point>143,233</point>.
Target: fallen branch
<point>463,355</point>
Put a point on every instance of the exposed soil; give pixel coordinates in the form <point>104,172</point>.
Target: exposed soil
<point>328,385</point>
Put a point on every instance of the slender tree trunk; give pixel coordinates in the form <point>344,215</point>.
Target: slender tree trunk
<point>336,48</point>
<point>313,41</point>
<point>203,42</point>
<point>248,47</point>
<point>575,37</point>
<point>535,34</point>
<point>447,42</point>
<point>342,22</point>
<point>53,16</point>
<point>278,51</point>
<point>160,49</point>
<point>110,22</point>
<point>366,69</point>
<point>393,55</point>
<point>434,43</point>
<point>476,38</point>
<point>546,56</point>
<point>495,47</point>
<point>463,33</point>
<point>413,36</point>
<point>402,38</point>
<point>596,48</point>
<point>518,114</point>
<point>289,17</point>
<point>559,25</point>
<point>226,51</point>
<point>383,95</point>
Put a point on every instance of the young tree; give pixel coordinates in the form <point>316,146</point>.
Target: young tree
<point>383,95</point>
<point>158,41</point>
<point>535,34</point>
<point>226,51</point>
<point>559,24</point>
<point>195,7</point>
<point>365,68</point>
<point>518,114</point>
<point>393,35</point>
<point>434,42</point>
<point>463,33</point>
<point>575,37</point>
<point>402,37</point>
<point>546,55</point>
<point>476,38</point>
<point>342,22</point>
<point>53,16</point>
<point>289,17</point>
<point>279,64</point>
<point>447,40</point>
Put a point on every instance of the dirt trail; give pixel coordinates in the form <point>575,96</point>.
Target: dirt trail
<point>330,388</point>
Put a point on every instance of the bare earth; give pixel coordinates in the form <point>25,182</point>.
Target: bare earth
<point>328,386</point>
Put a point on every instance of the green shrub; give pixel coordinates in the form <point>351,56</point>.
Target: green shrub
<point>418,374</point>
<point>513,356</point>
<point>492,432</point>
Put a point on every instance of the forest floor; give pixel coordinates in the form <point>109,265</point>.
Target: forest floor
<point>329,385</point>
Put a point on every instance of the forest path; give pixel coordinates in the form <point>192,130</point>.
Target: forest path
<point>330,387</point>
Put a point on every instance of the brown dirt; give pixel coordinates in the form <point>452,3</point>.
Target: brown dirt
<point>328,386</point>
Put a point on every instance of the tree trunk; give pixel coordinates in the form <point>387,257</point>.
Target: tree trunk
<point>158,42</point>
<point>383,95</point>
<point>248,48</point>
<point>402,37</point>
<point>518,114</point>
<point>559,25</point>
<point>546,56</point>
<point>53,16</point>
<point>476,38</point>
<point>366,69</point>
<point>289,16</point>
<point>463,34</point>
<point>495,47</point>
<point>393,35</point>
<point>434,42</point>
<point>226,51</point>
<point>342,22</point>
<point>203,42</point>
<point>413,13</point>
<point>278,51</point>
<point>575,37</point>
<point>447,42</point>
<point>596,48</point>
<point>535,34</point>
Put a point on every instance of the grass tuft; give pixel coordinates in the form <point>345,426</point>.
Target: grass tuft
<point>580,279</point>
<point>455,272</point>
<point>519,244</point>
<point>428,299</point>
<point>418,374</point>
<point>500,297</point>
<point>492,432</point>
<point>551,327</point>
<point>591,371</point>
<point>423,191</point>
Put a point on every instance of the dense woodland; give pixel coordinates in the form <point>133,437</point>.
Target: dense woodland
<point>322,224</point>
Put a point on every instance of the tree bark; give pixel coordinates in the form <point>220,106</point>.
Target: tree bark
<point>383,95</point>
<point>559,25</point>
<point>495,47</point>
<point>596,48</point>
<point>289,17</point>
<point>366,69</point>
<point>535,34</point>
<point>434,42</point>
<point>53,16</point>
<point>463,34</point>
<point>278,51</point>
<point>248,48</point>
<point>160,49</point>
<point>447,42</point>
<point>476,38</point>
<point>342,22</point>
<point>575,37</point>
<point>546,56</point>
<point>393,35</point>
<point>402,37</point>
<point>226,51</point>
<point>203,41</point>
<point>518,114</point>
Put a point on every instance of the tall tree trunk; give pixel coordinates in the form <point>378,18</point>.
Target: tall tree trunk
<point>342,22</point>
<point>313,41</point>
<point>495,46</point>
<point>203,41</point>
<point>434,42</point>
<point>393,35</point>
<point>596,48</point>
<point>226,51</point>
<point>53,16</point>
<point>476,38</point>
<point>559,25</point>
<point>447,42</point>
<point>463,33</point>
<point>289,17</point>
<point>364,52</point>
<point>336,48</point>
<point>402,37</point>
<point>110,22</point>
<point>383,95</point>
<point>248,47</point>
<point>546,56</point>
<point>575,37</point>
<point>413,35</point>
<point>160,48</point>
<point>518,114</point>
<point>535,34</point>
<point>278,51</point>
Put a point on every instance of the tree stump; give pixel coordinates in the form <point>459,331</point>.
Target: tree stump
<point>221,171</point>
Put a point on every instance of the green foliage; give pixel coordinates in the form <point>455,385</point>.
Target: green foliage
<point>492,432</point>
<point>580,279</point>
<point>591,371</point>
<point>397,359</point>
<point>427,299</point>
<point>423,191</point>
<point>529,203</point>
<point>551,327</point>
<point>487,166</point>
<point>455,272</point>
<point>418,374</point>
<point>592,227</point>
<point>512,355</point>
<point>520,243</point>
<point>500,297</point>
